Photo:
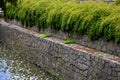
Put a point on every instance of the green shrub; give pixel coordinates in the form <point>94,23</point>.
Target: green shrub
<point>117,2</point>
<point>93,19</point>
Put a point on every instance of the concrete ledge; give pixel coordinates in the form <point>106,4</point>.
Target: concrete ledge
<point>73,61</point>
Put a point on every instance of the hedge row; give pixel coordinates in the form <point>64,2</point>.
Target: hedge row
<point>93,19</point>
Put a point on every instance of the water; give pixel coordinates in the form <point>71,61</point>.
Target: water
<point>13,67</point>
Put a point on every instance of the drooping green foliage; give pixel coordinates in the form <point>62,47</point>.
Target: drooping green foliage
<point>3,3</point>
<point>93,19</point>
<point>117,2</point>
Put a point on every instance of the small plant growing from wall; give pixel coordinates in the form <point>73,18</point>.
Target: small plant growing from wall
<point>69,41</point>
<point>100,55</point>
<point>45,35</point>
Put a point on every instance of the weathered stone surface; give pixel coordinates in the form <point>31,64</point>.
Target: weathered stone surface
<point>73,62</point>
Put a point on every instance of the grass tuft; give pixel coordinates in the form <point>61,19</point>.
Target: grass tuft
<point>69,41</point>
<point>100,55</point>
<point>45,35</point>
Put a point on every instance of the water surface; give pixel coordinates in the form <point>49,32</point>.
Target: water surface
<point>13,67</point>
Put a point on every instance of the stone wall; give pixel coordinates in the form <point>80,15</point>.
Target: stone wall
<point>72,61</point>
<point>110,47</point>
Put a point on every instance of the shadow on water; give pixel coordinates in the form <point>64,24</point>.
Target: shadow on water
<point>13,67</point>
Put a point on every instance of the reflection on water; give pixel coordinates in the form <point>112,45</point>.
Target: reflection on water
<point>13,67</point>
